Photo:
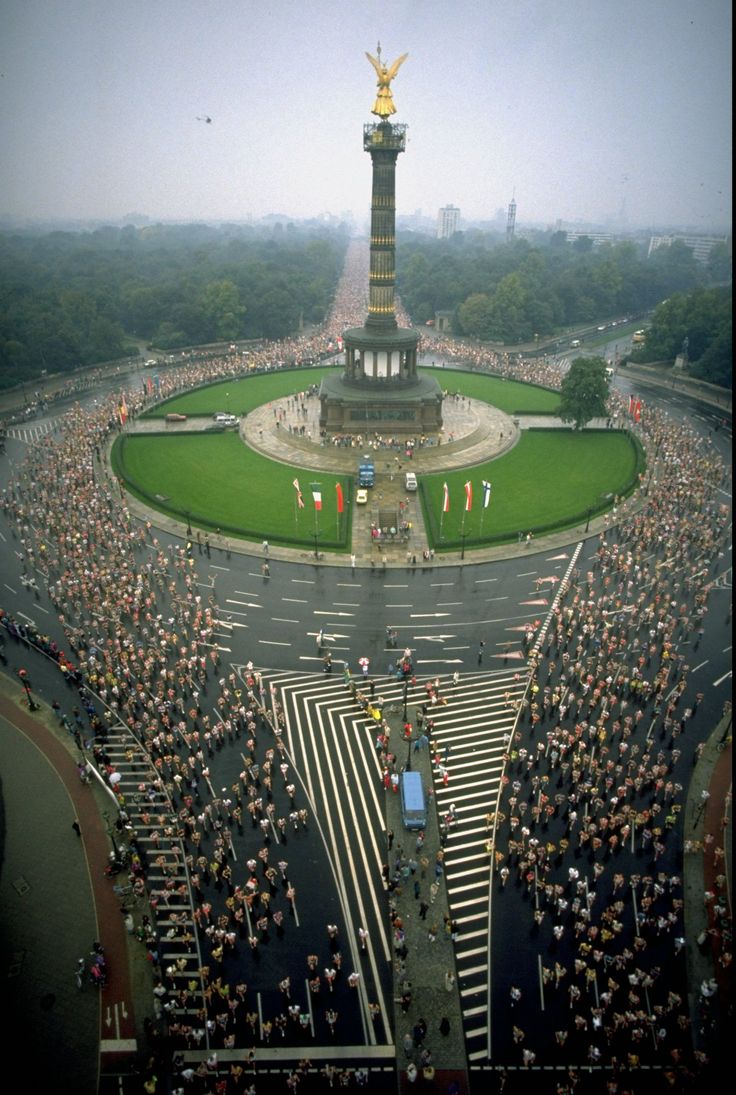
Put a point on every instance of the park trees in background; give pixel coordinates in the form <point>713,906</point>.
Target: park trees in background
<point>70,299</point>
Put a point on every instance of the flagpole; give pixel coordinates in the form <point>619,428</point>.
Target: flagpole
<point>315,487</point>
<point>485,501</point>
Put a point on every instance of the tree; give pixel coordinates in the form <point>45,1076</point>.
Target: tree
<point>584,391</point>
<point>220,302</point>
<point>475,315</point>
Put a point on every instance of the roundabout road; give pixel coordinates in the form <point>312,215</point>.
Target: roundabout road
<point>442,614</point>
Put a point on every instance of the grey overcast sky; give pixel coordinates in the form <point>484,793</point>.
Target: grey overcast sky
<point>615,111</point>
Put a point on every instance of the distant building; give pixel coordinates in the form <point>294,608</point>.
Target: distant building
<point>448,220</point>
<point>596,238</point>
<point>511,221</point>
<point>443,320</point>
<point>701,246</point>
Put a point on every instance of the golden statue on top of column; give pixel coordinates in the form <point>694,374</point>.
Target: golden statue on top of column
<point>384,104</point>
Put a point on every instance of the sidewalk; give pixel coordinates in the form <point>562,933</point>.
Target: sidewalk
<point>55,900</point>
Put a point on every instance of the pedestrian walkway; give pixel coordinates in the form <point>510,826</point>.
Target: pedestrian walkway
<point>54,903</point>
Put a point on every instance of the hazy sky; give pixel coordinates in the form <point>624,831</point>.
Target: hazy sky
<point>582,109</point>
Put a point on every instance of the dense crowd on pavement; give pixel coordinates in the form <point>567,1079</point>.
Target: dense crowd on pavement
<point>598,768</point>
<point>596,771</point>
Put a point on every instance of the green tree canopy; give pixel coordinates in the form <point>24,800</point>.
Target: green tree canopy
<point>584,391</point>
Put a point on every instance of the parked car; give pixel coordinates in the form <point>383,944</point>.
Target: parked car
<point>172,417</point>
<point>361,497</point>
<point>410,481</point>
<point>225,419</point>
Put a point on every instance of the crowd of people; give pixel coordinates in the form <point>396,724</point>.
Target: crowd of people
<point>597,768</point>
<point>597,771</point>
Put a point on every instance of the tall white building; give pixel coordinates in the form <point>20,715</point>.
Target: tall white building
<point>448,220</point>
<point>700,246</point>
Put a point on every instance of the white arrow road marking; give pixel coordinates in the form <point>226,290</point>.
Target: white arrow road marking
<point>440,661</point>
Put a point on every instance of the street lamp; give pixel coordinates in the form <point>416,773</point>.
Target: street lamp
<point>651,470</point>
<point>32,705</point>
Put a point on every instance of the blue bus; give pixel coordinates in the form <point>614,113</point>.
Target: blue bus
<point>413,801</point>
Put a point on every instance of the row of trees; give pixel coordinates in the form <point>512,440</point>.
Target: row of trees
<point>700,324</point>
<point>511,293</point>
<point>76,298</point>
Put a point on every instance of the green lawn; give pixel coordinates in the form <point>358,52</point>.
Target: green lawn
<point>508,395</point>
<point>222,484</point>
<point>242,395</point>
<point>550,478</point>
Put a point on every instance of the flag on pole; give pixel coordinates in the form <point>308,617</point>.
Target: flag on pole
<point>445,499</point>
<point>299,499</point>
<point>632,404</point>
<point>340,499</point>
<point>486,494</point>
<point>637,411</point>
<point>123,410</point>
<point>468,496</point>
<point>317,495</point>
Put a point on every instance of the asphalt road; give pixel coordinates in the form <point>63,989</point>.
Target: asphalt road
<point>441,614</point>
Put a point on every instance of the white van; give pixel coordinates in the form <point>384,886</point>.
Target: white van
<point>410,481</point>
<point>575,343</point>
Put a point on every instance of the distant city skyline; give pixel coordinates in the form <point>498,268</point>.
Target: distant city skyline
<point>615,115</point>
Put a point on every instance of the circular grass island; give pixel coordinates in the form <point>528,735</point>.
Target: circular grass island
<point>207,476</point>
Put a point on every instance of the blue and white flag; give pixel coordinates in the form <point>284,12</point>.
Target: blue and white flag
<point>486,493</point>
